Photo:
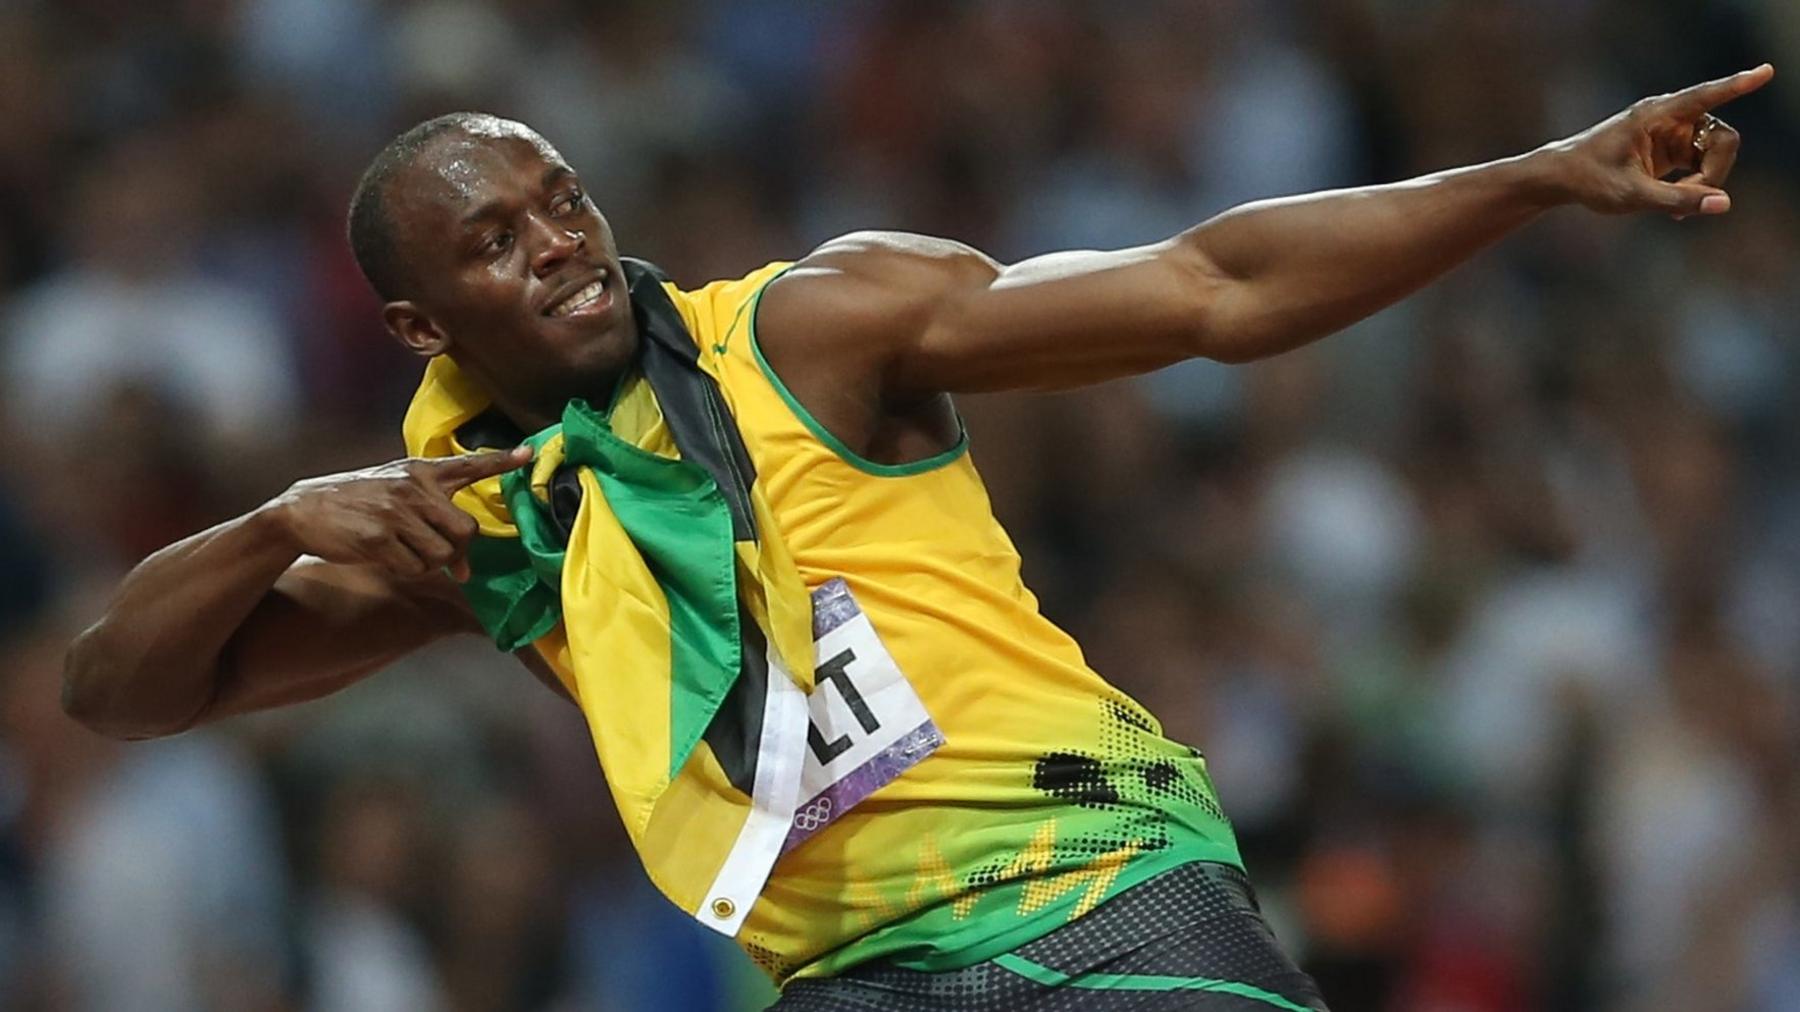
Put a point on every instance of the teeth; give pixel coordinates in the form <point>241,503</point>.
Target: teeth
<point>580,299</point>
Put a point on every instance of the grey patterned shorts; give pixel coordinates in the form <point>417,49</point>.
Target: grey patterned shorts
<point>1190,938</point>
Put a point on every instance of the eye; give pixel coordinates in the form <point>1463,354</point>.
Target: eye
<point>568,202</point>
<point>496,244</point>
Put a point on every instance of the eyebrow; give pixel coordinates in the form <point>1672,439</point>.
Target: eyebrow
<point>496,208</point>
<point>491,210</point>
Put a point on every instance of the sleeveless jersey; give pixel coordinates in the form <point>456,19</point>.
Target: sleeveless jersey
<point>1051,791</point>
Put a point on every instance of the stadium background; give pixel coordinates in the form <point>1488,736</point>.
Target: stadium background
<point>1487,612</point>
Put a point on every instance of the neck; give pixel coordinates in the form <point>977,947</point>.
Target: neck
<point>532,413</point>
<point>529,418</point>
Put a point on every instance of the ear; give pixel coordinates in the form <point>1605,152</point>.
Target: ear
<point>412,328</point>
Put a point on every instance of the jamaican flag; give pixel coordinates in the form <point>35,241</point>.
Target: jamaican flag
<point>638,557</point>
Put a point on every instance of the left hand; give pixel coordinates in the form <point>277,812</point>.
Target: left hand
<point>1620,165</point>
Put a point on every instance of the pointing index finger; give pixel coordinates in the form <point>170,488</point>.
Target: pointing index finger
<point>454,473</point>
<point>1712,94</point>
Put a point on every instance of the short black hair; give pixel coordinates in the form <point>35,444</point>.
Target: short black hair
<point>371,229</point>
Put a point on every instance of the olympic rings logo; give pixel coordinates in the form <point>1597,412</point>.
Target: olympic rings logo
<point>813,816</point>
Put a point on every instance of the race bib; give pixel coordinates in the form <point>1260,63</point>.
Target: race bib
<point>866,724</point>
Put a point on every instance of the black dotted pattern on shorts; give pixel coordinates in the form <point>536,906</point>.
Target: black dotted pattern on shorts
<point>1199,920</point>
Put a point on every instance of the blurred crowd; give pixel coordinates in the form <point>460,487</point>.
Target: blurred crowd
<point>1486,612</point>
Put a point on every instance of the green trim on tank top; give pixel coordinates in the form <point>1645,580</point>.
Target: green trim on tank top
<point>825,436</point>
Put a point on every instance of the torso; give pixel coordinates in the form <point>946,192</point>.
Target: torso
<point>1052,791</point>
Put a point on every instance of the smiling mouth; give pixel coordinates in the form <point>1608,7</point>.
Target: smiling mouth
<point>586,297</point>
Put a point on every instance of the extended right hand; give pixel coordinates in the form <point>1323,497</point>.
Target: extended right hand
<point>1652,156</point>
<point>397,516</point>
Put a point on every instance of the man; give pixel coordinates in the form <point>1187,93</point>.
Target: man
<point>750,547</point>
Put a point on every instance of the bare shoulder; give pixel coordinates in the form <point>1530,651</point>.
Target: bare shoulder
<point>891,267</point>
<point>902,246</point>
<point>837,324</point>
<point>866,296</point>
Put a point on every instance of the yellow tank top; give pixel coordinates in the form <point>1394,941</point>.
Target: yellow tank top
<point>1052,790</point>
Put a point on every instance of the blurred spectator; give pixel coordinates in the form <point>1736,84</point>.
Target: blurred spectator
<point>159,880</point>
<point>364,954</point>
<point>131,311</point>
<point>1484,612</point>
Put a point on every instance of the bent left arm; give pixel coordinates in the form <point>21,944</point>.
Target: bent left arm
<point>923,316</point>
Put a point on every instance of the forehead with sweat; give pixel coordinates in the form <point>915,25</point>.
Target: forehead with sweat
<point>455,157</point>
<point>449,155</point>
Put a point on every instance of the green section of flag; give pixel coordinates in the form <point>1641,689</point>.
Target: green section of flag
<point>680,523</point>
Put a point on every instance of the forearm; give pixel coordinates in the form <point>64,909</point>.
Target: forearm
<point>1295,269</point>
<point>323,627</point>
<point>152,662</point>
<point>226,622</point>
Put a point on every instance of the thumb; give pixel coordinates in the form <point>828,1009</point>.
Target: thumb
<point>1685,198</point>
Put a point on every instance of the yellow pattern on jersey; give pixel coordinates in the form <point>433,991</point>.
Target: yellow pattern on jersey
<point>1053,789</point>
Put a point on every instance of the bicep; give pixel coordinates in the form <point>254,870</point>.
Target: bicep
<point>323,626</point>
<point>931,315</point>
<point>1065,319</point>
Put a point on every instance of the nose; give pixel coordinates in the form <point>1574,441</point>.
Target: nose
<point>555,246</point>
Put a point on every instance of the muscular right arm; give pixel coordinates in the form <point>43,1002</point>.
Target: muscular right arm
<point>332,580</point>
